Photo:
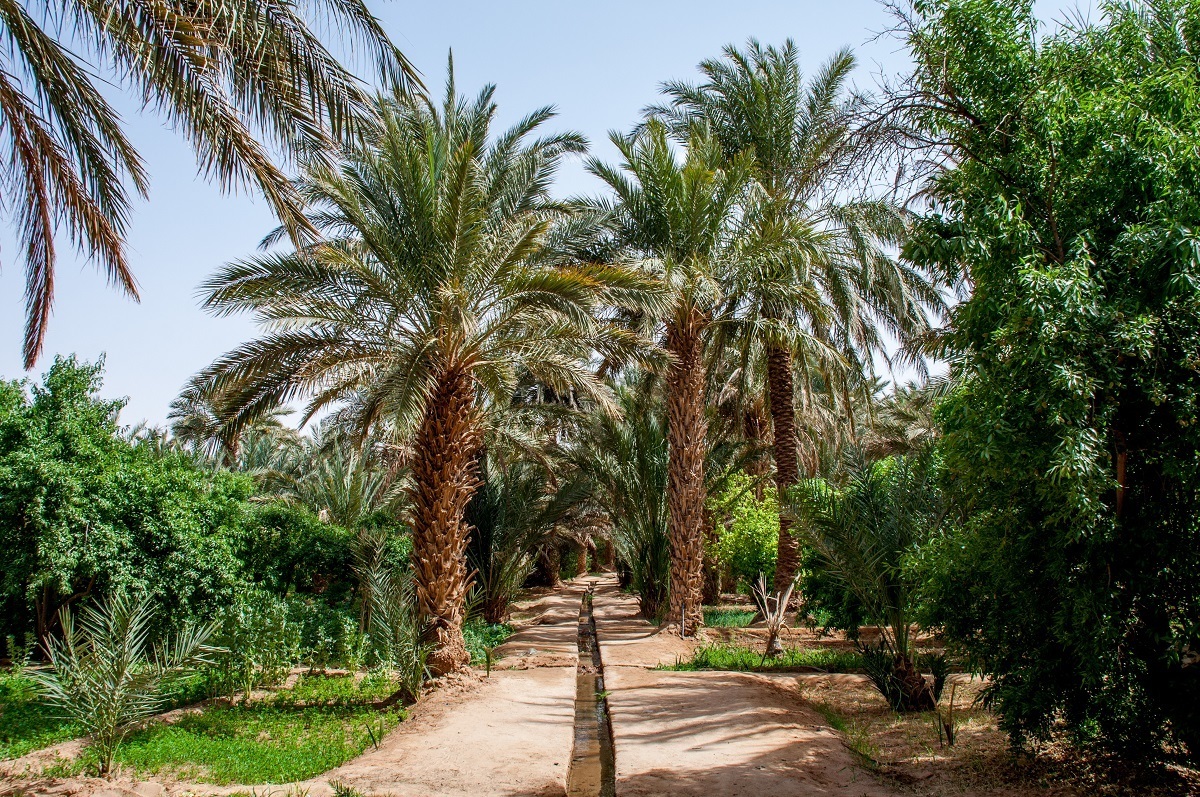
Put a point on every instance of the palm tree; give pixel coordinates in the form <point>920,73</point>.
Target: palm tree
<point>513,514</point>
<point>432,294</point>
<point>821,284</point>
<point>862,533</point>
<point>621,468</point>
<point>680,219</point>
<point>218,71</point>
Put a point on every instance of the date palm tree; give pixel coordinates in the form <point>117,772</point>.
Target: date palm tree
<point>821,289</point>
<point>434,291</point>
<point>225,73</point>
<point>679,217</point>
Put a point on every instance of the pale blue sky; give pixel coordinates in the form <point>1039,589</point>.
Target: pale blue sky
<point>600,63</point>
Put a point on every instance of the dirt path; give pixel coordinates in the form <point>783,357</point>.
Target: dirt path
<point>708,733</point>
<point>508,734</point>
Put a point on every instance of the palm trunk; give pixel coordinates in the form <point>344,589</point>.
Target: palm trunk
<point>781,394</point>
<point>687,429</point>
<point>445,474</point>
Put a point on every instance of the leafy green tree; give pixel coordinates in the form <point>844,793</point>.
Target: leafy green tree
<point>434,292</point>
<point>224,73</point>
<point>1066,194</point>
<point>84,511</point>
<point>747,531</point>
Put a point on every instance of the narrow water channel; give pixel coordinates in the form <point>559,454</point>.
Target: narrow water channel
<point>593,771</point>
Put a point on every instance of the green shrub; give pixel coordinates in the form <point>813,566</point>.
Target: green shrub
<point>259,642</point>
<point>329,636</point>
<point>747,532</point>
<point>481,636</point>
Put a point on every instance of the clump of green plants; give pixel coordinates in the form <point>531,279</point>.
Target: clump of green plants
<point>105,676</point>
<point>744,659</point>
<point>258,641</point>
<point>724,617</point>
<point>337,690</point>
<point>747,536</point>
<point>483,636</point>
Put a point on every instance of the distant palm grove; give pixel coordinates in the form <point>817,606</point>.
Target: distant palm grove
<point>914,368</point>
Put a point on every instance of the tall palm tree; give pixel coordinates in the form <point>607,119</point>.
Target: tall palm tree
<point>223,72</point>
<point>821,284</point>
<point>433,292</point>
<point>680,219</point>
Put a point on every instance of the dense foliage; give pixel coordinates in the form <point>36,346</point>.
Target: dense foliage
<point>88,511</point>
<point>747,533</point>
<point>84,511</point>
<point>1070,205</point>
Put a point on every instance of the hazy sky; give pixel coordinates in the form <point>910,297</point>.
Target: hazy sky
<point>600,63</point>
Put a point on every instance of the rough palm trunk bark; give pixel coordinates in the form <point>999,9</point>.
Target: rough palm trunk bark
<point>687,428</point>
<point>782,398</point>
<point>444,478</point>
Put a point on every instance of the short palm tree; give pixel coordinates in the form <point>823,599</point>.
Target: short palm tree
<point>219,71</point>
<point>821,288</point>
<point>863,533</point>
<point>620,466</point>
<point>680,217</point>
<point>513,514</point>
<point>432,294</point>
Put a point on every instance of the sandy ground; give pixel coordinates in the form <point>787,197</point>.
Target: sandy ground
<point>707,733</point>
<point>510,736</point>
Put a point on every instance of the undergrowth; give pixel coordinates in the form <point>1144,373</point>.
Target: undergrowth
<point>25,723</point>
<point>256,743</point>
<point>856,736</point>
<point>728,618</point>
<point>731,657</point>
<point>481,636</point>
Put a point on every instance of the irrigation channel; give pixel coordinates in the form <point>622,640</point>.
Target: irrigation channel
<point>593,770</point>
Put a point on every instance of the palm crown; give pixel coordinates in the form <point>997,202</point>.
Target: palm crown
<point>817,287</point>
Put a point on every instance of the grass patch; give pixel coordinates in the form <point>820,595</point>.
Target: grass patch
<point>257,743</point>
<point>338,690</point>
<point>480,636</point>
<point>25,723</point>
<point>728,618</point>
<point>740,658</point>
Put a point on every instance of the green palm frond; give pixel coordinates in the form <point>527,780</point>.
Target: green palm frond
<point>239,80</point>
<point>442,250</point>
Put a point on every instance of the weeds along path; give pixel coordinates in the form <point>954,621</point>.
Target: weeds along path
<point>711,733</point>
